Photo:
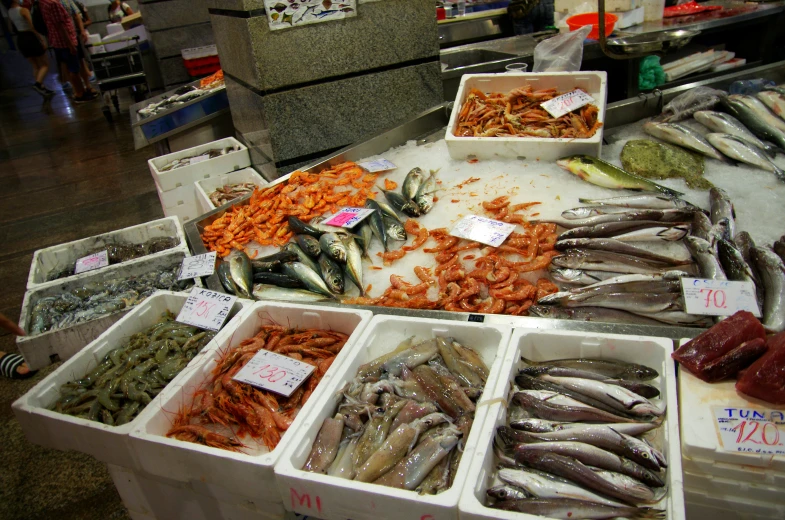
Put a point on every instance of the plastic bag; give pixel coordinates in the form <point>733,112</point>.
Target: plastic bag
<point>684,105</point>
<point>562,53</point>
<point>651,74</point>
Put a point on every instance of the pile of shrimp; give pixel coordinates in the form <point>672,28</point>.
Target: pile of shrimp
<point>223,405</point>
<point>519,114</point>
<point>491,281</point>
<point>303,195</point>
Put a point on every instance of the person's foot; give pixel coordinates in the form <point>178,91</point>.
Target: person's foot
<point>40,89</point>
<point>13,366</point>
<point>84,98</point>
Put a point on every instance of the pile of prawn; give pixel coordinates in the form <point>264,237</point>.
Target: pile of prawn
<point>224,405</point>
<point>303,195</point>
<point>492,282</point>
<point>519,114</point>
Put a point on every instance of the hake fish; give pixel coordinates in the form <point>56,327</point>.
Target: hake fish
<point>606,261</point>
<point>610,368</point>
<point>596,314</point>
<point>740,150</point>
<point>540,486</point>
<point>616,397</point>
<point>601,173</point>
<point>723,123</point>
<point>556,407</point>
<point>662,215</point>
<point>683,136</point>
<point>628,230</point>
<point>644,201</point>
<point>653,250</point>
<point>706,257</point>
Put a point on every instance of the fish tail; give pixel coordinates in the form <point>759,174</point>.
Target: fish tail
<point>779,172</point>
<point>529,361</point>
<point>646,513</point>
<point>667,191</point>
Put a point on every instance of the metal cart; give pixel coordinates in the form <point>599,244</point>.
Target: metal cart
<point>118,69</point>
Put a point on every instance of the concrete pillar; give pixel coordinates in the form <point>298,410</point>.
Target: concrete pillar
<point>174,25</point>
<point>299,94</point>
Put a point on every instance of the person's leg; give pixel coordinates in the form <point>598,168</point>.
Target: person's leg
<point>72,66</point>
<point>42,68</point>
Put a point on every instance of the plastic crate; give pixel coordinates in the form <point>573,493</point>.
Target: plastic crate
<point>169,180</point>
<point>332,498</point>
<point>223,474</point>
<point>593,83</point>
<point>540,346</point>
<point>206,187</point>
<point>49,347</point>
<point>59,256</point>
<point>109,444</point>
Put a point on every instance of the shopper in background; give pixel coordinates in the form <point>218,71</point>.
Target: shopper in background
<point>530,16</point>
<point>13,366</point>
<point>62,38</point>
<point>32,45</point>
<point>119,10</point>
<point>86,21</point>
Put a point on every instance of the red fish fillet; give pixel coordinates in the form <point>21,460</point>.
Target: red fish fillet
<point>765,379</point>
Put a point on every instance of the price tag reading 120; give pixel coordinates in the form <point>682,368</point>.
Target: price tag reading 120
<point>718,297</point>
<point>274,372</point>
<point>206,309</point>
<point>750,430</point>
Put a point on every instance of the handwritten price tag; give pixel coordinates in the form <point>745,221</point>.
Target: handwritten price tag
<point>348,217</point>
<point>90,262</point>
<point>274,372</point>
<point>483,230</point>
<point>196,266</point>
<point>566,103</point>
<point>718,297</point>
<point>379,165</point>
<point>206,309</point>
<point>750,430</point>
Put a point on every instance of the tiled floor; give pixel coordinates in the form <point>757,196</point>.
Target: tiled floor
<point>65,173</point>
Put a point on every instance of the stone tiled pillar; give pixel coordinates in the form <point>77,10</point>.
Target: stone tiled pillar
<point>299,94</point>
<point>174,25</point>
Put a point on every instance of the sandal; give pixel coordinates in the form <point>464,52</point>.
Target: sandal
<point>9,363</point>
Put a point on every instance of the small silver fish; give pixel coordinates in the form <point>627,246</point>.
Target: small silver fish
<point>424,197</point>
<point>683,136</point>
<point>723,123</point>
<point>412,183</point>
<point>332,245</point>
<point>740,150</point>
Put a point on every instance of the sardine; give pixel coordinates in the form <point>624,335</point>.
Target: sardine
<point>615,396</point>
<point>556,407</point>
<point>241,272</point>
<point>706,257</point>
<point>772,273</point>
<point>620,229</point>
<point>412,183</point>
<point>308,244</point>
<point>774,100</point>
<point>596,314</point>
<point>541,486</point>
<point>354,264</point>
<point>601,173</point>
<point>568,509</point>
<point>779,248</point>
<point>742,151</point>
<point>273,292</point>
<point>394,228</point>
<point>662,215</point>
<point>292,247</point>
<point>727,124</point>
<point>302,228</point>
<point>325,447</point>
<point>377,223</point>
<point>654,251</point>
<point>607,261</point>
<point>683,136</point>
<point>756,117</point>
<point>397,201</point>
<point>611,368</point>
<point>644,201</point>
<point>313,282</point>
<point>331,273</point>
<point>425,193</point>
<point>279,279</point>
<point>333,247</point>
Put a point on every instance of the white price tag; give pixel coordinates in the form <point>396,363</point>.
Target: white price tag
<point>750,430</point>
<point>566,103</point>
<point>90,262</point>
<point>379,165</point>
<point>274,372</point>
<point>198,159</point>
<point>718,297</point>
<point>196,266</point>
<point>348,217</point>
<point>483,230</point>
<point>206,309</point>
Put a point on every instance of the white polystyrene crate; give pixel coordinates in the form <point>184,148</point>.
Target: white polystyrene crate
<point>169,180</point>
<point>629,18</point>
<point>547,345</point>
<point>58,345</point>
<point>732,489</point>
<point>593,83</point>
<point>59,256</point>
<point>332,498</point>
<point>181,195</point>
<point>248,474</point>
<point>733,472</point>
<point>699,435</point>
<point>206,187</point>
<point>183,212</point>
<point>711,506</point>
<point>109,444</point>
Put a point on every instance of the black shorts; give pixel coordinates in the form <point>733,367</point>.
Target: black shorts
<point>71,61</point>
<point>29,45</point>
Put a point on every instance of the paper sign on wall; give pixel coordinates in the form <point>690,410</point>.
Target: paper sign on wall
<point>274,372</point>
<point>750,430</point>
<point>566,103</point>
<point>196,266</point>
<point>206,309</point>
<point>483,230</point>
<point>90,262</point>
<point>718,297</point>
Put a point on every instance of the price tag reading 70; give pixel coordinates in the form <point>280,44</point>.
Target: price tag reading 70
<point>718,297</point>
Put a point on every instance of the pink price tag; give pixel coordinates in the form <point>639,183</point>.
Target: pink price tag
<point>348,217</point>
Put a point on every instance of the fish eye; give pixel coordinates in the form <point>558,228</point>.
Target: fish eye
<point>645,455</point>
